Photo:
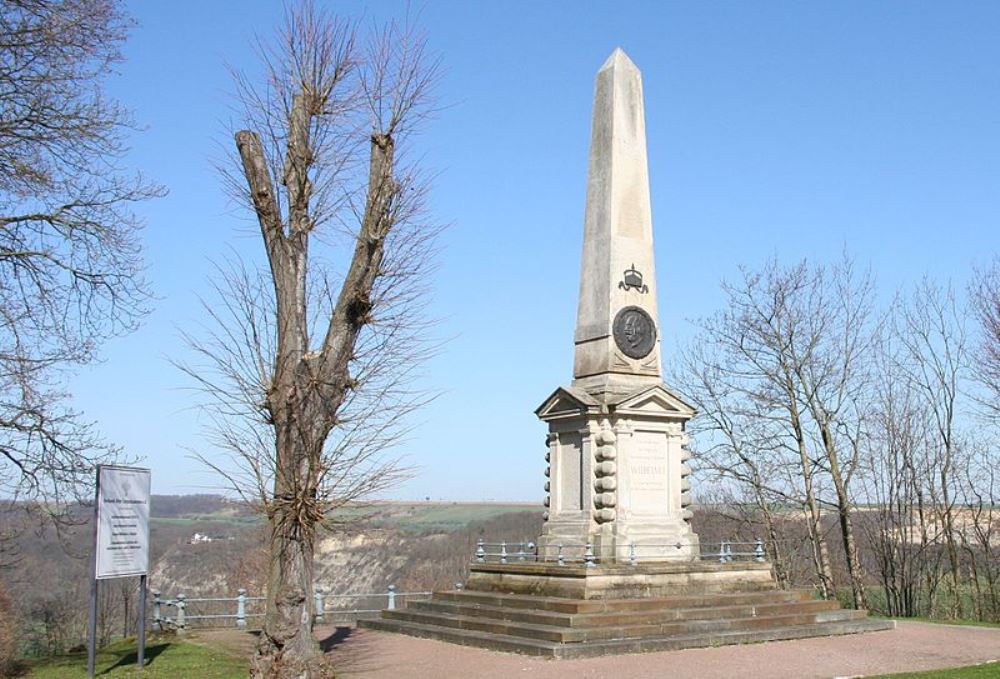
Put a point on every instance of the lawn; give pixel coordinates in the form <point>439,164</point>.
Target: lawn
<point>166,658</point>
<point>987,671</point>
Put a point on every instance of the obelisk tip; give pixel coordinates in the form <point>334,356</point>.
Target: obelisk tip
<point>618,59</point>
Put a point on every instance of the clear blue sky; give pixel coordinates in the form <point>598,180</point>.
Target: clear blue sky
<point>773,128</point>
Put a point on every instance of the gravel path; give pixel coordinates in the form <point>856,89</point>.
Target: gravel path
<point>912,646</point>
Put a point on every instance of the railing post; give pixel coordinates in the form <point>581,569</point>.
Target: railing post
<point>241,608</point>
<point>521,552</point>
<point>631,554</point>
<point>503,552</point>
<point>181,622</point>
<point>320,606</point>
<point>533,548</point>
<point>725,552</point>
<point>588,556</point>
<point>758,551</point>
<point>157,612</point>
<point>559,557</point>
<point>480,551</point>
<point>391,596</point>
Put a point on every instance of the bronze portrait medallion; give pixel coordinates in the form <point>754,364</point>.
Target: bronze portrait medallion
<point>634,332</point>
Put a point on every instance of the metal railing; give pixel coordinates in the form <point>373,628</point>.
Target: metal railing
<point>726,551</point>
<point>348,608</point>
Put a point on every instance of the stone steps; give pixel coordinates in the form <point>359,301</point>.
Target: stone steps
<point>557,627</point>
<point>513,644</point>
<point>562,605</point>
<point>611,631</point>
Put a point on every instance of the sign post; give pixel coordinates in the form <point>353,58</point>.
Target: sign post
<point>121,541</point>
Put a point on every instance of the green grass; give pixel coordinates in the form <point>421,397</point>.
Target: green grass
<point>166,658</point>
<point>987,671</point>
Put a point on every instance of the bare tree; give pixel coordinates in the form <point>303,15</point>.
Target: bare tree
<point>933,357</point>
<point>750,339</point>
<point>70,258</point>
<point>980,533</point>
<point>782,380</point>
<point>309,374</point>
<point>734,439</point>
<point>984,296</point>
<point>898,464</point>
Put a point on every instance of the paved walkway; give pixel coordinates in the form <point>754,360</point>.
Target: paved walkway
<point>913,646</point>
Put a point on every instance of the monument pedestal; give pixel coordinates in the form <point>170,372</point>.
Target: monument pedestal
<point>620,581</point>
<point>618,478</point>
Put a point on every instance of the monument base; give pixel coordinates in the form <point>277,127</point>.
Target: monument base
<point>577,612</point>
<point>620,581</point>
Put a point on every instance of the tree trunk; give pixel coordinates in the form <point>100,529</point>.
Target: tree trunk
<point>821,555</point>
<point>955,610</point>
<point>853,561</point>
<point>771,531</point>
<point>846,528</point>
<point>780,568</point>
<point>287,648</point>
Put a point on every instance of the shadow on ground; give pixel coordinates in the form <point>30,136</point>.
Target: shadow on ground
<point>359,656</point>
<point>339,636</point>
<point>132,657</point>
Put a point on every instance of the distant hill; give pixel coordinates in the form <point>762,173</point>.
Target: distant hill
<point>215,507</point>
<point>411,517</point>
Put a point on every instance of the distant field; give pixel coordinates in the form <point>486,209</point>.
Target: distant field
<point>412,517</point>
<point>202,518</point>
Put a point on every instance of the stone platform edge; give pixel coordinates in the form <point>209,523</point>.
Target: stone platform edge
<point>619,581</point>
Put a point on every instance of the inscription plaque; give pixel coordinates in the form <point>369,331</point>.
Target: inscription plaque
<point>634,331</point>
<point>648,474</point>
<point>570,472</point>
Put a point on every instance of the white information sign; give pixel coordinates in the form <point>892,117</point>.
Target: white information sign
<point>122,522</point>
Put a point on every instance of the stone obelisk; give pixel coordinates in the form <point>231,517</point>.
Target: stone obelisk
<point>617,271</point>
<point>617,473</point>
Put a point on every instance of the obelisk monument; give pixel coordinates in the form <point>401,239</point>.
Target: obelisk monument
<point>617,552</point>
<point>617,473</point>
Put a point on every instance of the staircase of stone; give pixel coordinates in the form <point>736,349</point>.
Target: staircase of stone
<point>575,628</point>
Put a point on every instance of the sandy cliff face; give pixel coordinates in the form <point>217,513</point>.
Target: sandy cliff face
<point>344,564</point>
<point>363,560</point>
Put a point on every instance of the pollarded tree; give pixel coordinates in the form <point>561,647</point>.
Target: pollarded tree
<point>308,372</point>
<point>70,258</point>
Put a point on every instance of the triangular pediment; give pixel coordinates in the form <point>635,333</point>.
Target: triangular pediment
<point>656,399</point>
<point>566,401</point>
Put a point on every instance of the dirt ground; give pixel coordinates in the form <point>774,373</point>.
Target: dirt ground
<point>912,646</point>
